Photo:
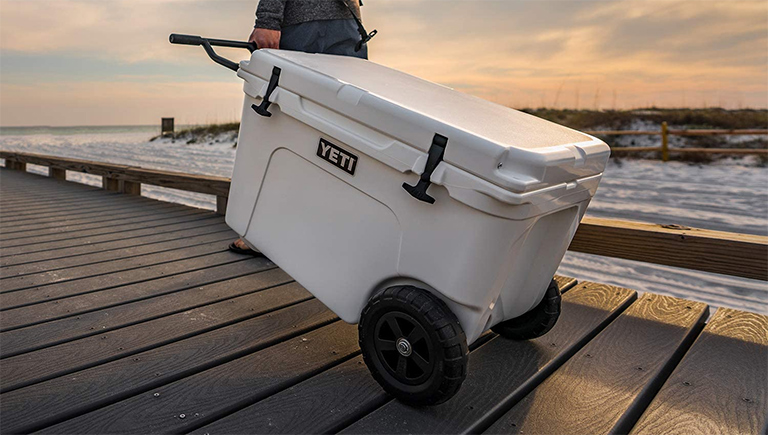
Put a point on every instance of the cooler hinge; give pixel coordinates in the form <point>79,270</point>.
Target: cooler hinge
<point>261,109</point>
<point>435,156</point>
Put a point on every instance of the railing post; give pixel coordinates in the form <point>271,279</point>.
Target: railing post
<point>221,205</point>
<point>112,184</point>
<point>15,165</point>
<point>664,142</point>
<point>131,188</point>
<point>59,174</point>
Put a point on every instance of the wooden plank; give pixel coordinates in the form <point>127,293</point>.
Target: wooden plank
<point>24,186</point>
<point>65,200</point>
<point>211,394</point>
<point>198,272</point>
<point>718,132</point>
<point>634,149</point>
<point>137,217</point>
<point>92,284</point>
<point>34,226</point>
<point>27,198</point>
<point>503,371</point>
<point>42,207</point>
<point>187,229</point>
<point>194,183</point>
<point>733,254</point>
<point>186,221</point>
<point>117,228</point>
<point>79,216</point>
<point>53,190</point>
<point>617,373</point>
<point>222,233</point>
<point>59,360</point>
<point>720,385</point>
<point>623,132</point>
<point>77,207</point>
<point>740,151</point>
<point>75,211</point>
<point>109,273</point>
<point>222,397</point>
<point>691,132</point>
<point>253,276</point>
<point>325,403</point>
<point>17,264</point>
<point>51,402</point>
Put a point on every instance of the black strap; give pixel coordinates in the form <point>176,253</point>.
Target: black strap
<point>364,36</point>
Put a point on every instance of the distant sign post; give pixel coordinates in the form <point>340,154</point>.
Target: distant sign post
<point>166,126</point>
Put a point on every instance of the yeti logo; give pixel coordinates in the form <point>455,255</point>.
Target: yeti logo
<point>337,156</point>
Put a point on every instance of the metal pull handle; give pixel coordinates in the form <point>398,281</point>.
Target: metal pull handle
<point>208,44</point>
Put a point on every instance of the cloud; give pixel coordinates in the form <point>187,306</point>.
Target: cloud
<point>517,52</point>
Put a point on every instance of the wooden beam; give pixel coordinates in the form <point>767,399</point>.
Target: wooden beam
<point>131,188</point>
<point>15,165</point>
<point>623,132</point>
<point>763,151</point>
<point>749,132</point>
<point>59,174</point>
<point>193,183</point>
<point>733,254</point>
<point>634,149</point>
<point>221,205</point>
<point>111,184</point>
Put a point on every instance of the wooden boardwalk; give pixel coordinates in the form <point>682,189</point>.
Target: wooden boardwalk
<point>124,314</point>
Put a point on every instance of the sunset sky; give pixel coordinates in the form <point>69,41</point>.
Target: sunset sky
<point>108,62</point>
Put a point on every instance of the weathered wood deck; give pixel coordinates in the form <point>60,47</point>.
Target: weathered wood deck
<point>124,314</point>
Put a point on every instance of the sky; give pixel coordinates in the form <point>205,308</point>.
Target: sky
<point>108,62</point>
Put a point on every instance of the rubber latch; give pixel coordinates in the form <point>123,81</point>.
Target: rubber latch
<point>434,156</point>
<point>261,109</point>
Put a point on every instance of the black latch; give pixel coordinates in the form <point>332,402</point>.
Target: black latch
<point>435,156</point>
<point>261,109</point>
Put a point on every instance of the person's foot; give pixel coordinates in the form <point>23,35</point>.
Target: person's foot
<point>239,247</point>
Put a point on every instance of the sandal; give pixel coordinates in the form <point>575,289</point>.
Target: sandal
<point>237,250</point>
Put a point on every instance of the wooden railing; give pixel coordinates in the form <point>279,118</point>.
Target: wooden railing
<point>122,178</point>
<point>733,254</point>
<point>664,150</point>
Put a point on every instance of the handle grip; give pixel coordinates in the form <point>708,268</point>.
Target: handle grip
<point>207,44</point>
<point>185,39</point>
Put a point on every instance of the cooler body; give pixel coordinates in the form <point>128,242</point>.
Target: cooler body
<point>317,187</point>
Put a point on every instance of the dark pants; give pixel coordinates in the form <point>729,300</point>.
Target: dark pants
<point>326,36</point>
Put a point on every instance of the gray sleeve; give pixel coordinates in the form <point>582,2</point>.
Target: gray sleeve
<point>269,14</point>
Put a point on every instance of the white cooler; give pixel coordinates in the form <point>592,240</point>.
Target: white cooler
<point>356,178</point>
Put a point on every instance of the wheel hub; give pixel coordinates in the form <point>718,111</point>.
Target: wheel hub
<point>404,347</point>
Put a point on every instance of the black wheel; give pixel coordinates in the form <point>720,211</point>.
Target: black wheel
<point>413,345</point>
<point>536,322</point>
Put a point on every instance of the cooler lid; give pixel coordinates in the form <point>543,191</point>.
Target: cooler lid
<point>504,146</point>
